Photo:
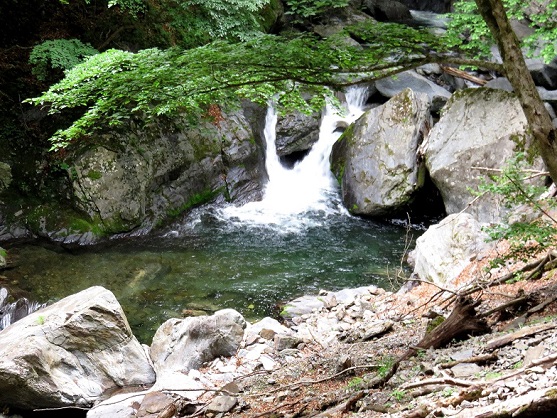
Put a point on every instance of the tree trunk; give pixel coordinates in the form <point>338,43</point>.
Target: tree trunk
<point>541,126</point>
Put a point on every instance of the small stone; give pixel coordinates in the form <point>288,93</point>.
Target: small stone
<point>283,342</point>
<point>267,334</point>
<point>231,388</point>
<point>532,354</point>
<point>268,363</point>
<point>222,404</point>
<point>465,369</point>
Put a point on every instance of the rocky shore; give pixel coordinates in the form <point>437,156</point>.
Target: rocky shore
<point>333,354</point>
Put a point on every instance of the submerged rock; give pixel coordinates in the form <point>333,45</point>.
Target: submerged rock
<point>70,353</point>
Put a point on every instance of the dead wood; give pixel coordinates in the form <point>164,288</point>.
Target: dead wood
<point>341,408</point>
<point>532,404</point>
<point>524,332</point>
<point>439,381</point>
<point>484,358</point>
<point>462,322</point>
<point>538,266</point>
<point>518,301</point>
<point>463,74</point>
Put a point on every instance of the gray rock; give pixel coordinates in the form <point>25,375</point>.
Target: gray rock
<point>391,86</point>
<point>549,96</point>
<point>180,345</point>
<point>465,369</point>
<point>437,6</point>
<point>544,75</point>
<point>268,323</point>
<point>376,160</point>
<point>500,83</point>
<point>472,133</point>
<point>158,170</point>
<point>445,249</point>
<point>70,353</point>
<point>302,305</point>
<point>120,406</point>
<point>387,10</point>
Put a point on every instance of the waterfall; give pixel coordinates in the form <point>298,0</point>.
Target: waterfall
<point>11,312</point>
<point>303,195</point>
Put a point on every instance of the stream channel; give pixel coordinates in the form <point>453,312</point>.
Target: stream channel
<point>297,240</point>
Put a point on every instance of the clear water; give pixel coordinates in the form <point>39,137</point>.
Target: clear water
<point>207,264</point>
<point>297,240</point>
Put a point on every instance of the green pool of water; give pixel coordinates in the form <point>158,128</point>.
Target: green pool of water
<point>208,264</point>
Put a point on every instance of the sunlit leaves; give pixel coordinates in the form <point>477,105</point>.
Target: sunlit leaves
<point>468,31</point>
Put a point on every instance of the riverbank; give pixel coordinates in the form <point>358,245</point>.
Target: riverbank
<point>510,369</point>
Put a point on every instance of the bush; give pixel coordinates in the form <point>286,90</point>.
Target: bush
<point>51,58</point>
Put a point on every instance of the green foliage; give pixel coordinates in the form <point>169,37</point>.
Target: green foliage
<point>58,54</point>
<point>385,366</point>
<point>355,382</point>
<point>469,32</point>
<point>133,7</point>
<point>516,184</point>
<point>311,8</point>
<point>197,22</point>
<point>398,394</point>
<point>117,86</point>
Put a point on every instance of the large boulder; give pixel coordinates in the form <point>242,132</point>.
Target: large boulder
<point>70,353</point>
<point>391,86</point>
<point>445,249</point>
<point>478,131</point>
<point>375,160</point>
<point>148,174</point>
<point>296,132</point>
<point>180,345</point>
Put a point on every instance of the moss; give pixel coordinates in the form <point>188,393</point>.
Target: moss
<point>434,323</point>
<point>551,394</point>
<point>94,175</point>
<point>195,200</point>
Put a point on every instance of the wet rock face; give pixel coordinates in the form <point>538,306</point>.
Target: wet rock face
<point>376,162</point>
<point>157,171</point>
<point>296,132</point>
<point>70,353</point>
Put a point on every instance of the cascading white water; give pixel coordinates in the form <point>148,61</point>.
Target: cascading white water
<point>307,188</point>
